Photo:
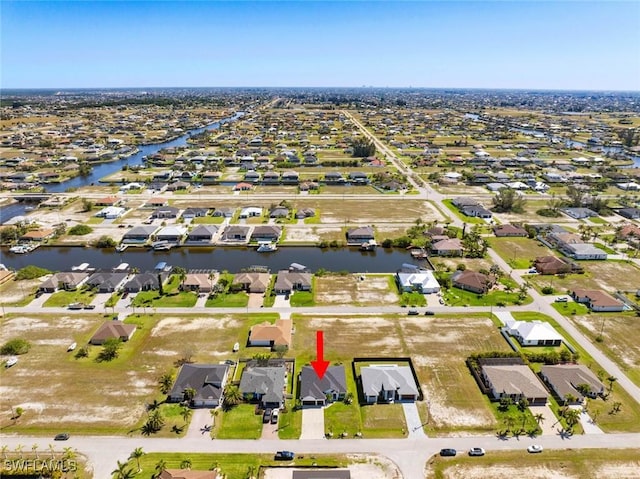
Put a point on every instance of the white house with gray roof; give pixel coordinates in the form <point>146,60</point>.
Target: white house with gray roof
<point>388,383</point>
<point>317,392</point>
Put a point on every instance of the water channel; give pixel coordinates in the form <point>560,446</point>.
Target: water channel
<point>383,260</point>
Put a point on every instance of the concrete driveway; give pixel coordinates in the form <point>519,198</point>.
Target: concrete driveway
<point>312,423</point>
<point>255,300</point>
<point>201,421</point>
<point>550,419</point>
<point>280,302</point>
<point>414,423</point>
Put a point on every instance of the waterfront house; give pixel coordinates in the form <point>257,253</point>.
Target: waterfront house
<point>173,233</point>
<point>66,280</point>
<point>243,186</point>
<point>202,234</point>
<point>235,233</point>
<point>113,329</point>
<point>266,233</point>
<point>420,280</point>
<point>198,282</point>
<point>252,282</point>
<point>145,282</point>
<point>362,234</point>
<point>207,380</point>
<point>388,384</point>
<point>358,178</point>
<point>107,281</point>
<point>38,235</point>
<point>290,281</point>
<point>139,234</point>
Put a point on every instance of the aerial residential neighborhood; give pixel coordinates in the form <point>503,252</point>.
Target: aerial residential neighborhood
<point>304,282</point>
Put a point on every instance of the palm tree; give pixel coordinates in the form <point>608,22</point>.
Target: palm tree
<point>189,394</point>
<point>19,449</point>
<point>34,449</point>
<point>232,395</point>
<point>52,450</point>
<point>166,383</point>
<point>186,413</point>
<point>137,454</point>
<point>539,418</point>
<point>122,472</point>
<point>68,453</point>
<point>4,450</point>
<point>185,464</point>
<point>611,379</point>
<point>161,465</point>
<point>572,416</point>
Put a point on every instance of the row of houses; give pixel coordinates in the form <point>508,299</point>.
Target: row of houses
<point>571,245</point>
<point>266,385</point>
<point>511,378</point>
<point>202,234</point>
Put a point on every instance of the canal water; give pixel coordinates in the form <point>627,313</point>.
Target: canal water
<point>104,169</point>
<point>383,260</point>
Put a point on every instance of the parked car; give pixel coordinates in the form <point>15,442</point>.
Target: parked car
<point>75,306</point>
<point>284,456</point>
<point>266,416</point>
<point>89,306</point>
<point>274,417</point>
<point>562,299</point>
<point>61,437</point>
<point>448,452</point>
<point>533,271</point>
<point>476,451</point>
<point>534,448</point>
<point>413,312</point>
<point>429,313</point>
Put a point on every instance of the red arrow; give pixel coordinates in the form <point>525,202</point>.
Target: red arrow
<point>320,365</point>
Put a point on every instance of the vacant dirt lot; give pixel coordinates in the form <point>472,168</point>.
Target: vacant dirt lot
<point>349,289</point>
<point>363,467</point>
<point>608,275</point>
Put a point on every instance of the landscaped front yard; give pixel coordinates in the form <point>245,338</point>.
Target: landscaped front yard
<point>239,422</point>
<point>62,299</point>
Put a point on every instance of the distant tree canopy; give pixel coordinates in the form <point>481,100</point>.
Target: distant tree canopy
<point>629,136</point>
<point>105,242</point>
<point>508,200</point>
<point>363,148</point>
<point>80,230</point>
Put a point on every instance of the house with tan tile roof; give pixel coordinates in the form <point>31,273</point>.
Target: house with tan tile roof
<point>267,334</point>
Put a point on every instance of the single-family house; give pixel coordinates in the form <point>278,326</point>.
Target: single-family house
<point>579,213</point>
<point>272,335</point>
<point>190,213</point>
<point>252,282</point>
<point>279,212</point>
<point>597,300</point>
<point>476,211</point>
<point>264,384</point>
<point>358,178</point>
<point>243,186</point>
<point>108,201</point>
<point>266,233</point>
<point>509,231</point>
<point>420,280</point>
<point>201,234</point>
<point>113,329</point>
<point>172,233</point>
<point>139,234</point>
<point>38,235</point>
<point>290,177</point>
<point>199,282</point>
<point>332,177</point>
<point>555,265</point>
<point>166,212</point>
<point>533,333</point>
<point>251,212</point>
<point>447,247</point>
<point>630,213</point>
<point>224,212</point>
<point>145,282</point>
<point>207,380</point>
<point>564,380</point>
<point>362,234</point>
<point>156,202</point>
<point>305,213</point>
<point>111,212</point>
<point>107,281</point>
<point>66,280</point>
<point>318,392</point>
<point>583,251</point>
<point>235,233</point>
<point>472,281</point>
<point>515,381</point>
<point>388,384</point>
<point>289,281</point>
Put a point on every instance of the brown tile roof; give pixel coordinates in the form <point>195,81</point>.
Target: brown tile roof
<point>37,234</point>
<point>596,297</point>
<point>112,329</point>
<point>279,332</point>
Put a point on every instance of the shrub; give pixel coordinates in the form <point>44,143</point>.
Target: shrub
<point>547,290</point>
<point>31,272</point>
<point>80,230</point>
<point>105,242</point>
<point>15,347</point>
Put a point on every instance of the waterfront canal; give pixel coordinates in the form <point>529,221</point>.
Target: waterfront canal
<point>231,259</point>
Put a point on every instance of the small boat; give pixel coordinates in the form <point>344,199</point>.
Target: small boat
<point>29,208</point>
<point>266,247</point>
<point>368,246</point>
<point>71,347</point>
<point>18,249</point>
<point>161,245</point>
<point>10,362</point>
<point>121,248</point>
<point>236,347</point>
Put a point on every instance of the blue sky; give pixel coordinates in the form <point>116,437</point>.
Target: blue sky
<point>543,45</point>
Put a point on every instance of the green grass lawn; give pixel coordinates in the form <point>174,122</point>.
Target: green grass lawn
<point>290,422</point>
<point>228,300</point>
<point>514,419</point>
<point>302,298</point>
<point>519,253</point>
<point>340,418</point>
<point>63,298</point>
<point>240,422</point>
<point>233,466</point>
<point>383,420</point>
<point>412,299</point>
<point>459,297</point>
<point>463,217</point>
<point>181,299</point>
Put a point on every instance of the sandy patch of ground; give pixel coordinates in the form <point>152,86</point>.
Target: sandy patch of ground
<point>442,413</point>
<point>172,325</point>
<point>624,470</point>
<point>482,472</point>
<point>350,290</point>
<point>15,291</point>
<point>366,467</point>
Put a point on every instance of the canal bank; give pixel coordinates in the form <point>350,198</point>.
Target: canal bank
<point>382,260</point>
